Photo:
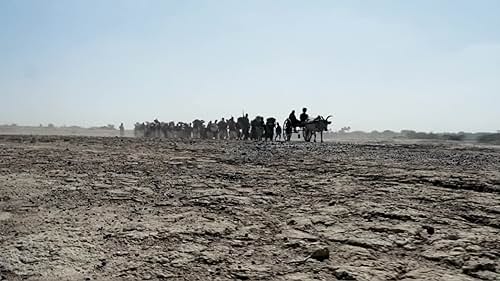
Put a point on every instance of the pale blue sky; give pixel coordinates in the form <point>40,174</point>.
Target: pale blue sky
<point>422,64</point>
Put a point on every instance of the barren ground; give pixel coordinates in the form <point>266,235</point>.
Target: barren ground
<point>81,208</point>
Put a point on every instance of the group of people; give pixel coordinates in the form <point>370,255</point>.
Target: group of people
<point>297,123</point>
<point>224,129</point>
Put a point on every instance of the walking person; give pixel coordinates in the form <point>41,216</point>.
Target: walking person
<point>278,131</point>
<point>122,130</point>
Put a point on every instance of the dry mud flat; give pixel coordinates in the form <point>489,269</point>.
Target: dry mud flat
<point>75,208</point>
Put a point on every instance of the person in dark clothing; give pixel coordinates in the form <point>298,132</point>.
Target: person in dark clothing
<point>233,128</point>
<point>304,116</point>
<point>278,131</point>
<point>293,118</point>
<point>231,124</point>
<point>222,125</point>
<point>288,130</point>
<point>246,127</point>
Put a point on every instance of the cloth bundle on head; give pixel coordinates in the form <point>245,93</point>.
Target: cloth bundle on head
<point>271,120</point>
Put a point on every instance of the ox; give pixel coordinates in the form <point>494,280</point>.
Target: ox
<point>311,127</point>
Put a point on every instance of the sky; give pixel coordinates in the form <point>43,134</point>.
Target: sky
<point>425,65</point>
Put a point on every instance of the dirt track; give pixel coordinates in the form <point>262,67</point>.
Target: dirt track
<point>75,208</point>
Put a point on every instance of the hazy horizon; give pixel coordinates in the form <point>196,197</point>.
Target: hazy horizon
<point>130,127</point>
<point>374,65</point>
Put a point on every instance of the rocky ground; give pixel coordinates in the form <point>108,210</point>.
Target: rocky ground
<point>77,208</point>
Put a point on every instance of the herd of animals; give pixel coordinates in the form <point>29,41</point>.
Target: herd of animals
<point>240,129</point>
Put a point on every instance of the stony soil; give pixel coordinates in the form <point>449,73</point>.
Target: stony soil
<point>76,208</point>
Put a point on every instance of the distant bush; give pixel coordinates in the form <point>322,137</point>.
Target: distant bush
<point>107,127</point>
<point>389,133</point>
<point>432,136</point>
<point>454,137</point>
<point>489,138</point>
<point>420,135</point>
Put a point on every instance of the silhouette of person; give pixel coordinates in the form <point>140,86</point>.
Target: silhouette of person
<point>122,130</point>
<point>304,116</point>
<point>293,118</point>
<point>246,127</point>
<point>222,129</point>
<point>278,131</point>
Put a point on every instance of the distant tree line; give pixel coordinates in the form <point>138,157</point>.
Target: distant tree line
<point>489,138</point>
<point>460,136</point>
<point>492,138</point>
<point>52,126</point>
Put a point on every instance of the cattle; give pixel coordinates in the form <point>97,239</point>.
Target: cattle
<point>139,130</point>
<point>212,130</point>
<point>198,129</point>
<point>318,124</point>
<point>257,128</point>
<point>241,128</point>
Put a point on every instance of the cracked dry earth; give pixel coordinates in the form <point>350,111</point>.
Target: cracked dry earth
<point>82,208</point>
